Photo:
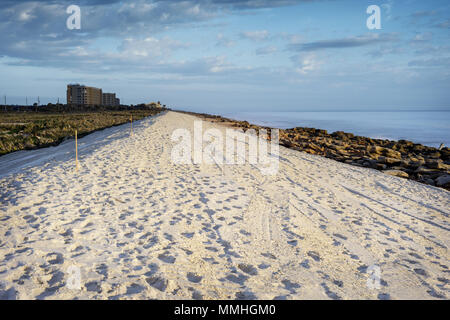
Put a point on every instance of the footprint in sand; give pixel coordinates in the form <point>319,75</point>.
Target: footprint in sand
<point>93,286</point>
<point>157,282</point>
<point>103,270</point>
<point>196,295</point>
<point>8,294</point>
<point>188,235</point>
<point>239,279</point>
<point>421,272</point>
<point>248,269</point>
<point>263,266</point>
<point>193,277</point>
<point>135,288</point>
<point>314,255</point>
<point>289,285</point>
<point>166,258</point>
<point>245,295</point>
<point>55,258</point>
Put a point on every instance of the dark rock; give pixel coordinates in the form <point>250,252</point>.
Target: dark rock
<point>425,170</point>
<point>436,164</point>
<point>343,135</point>
<point>397,173</point>
<point>381,166</point>
<point>443,181</point>
<point>369,163</point>
<point>416,163</point>
<point>389,161</point>
<point>435,155</point>
<point>385,152</point>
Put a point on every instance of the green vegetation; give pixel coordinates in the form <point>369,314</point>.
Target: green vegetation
<point>31,130</point>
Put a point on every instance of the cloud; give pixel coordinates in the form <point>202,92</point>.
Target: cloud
<point>435,62</point>
<point>29,28</point>
<point>352,42</point>
<point>305,63</point>
<point>12,3</point>
<point>259,35</point>
<point>150,47</point>
<point>266,50</point>
<point>431,18</point>
<point>150,56</point>
<point>421,37</point>
<point>423,13</point>
<point>36,30</point>
<point>232,4</point>
<point>258,4</point>
<point>386,50</point>
<point>223,41</point>
<point>443,25</point>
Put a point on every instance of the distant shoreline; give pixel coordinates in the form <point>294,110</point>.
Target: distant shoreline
<point>424,127</point>
<point>401,158</point>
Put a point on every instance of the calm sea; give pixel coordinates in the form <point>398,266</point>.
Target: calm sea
<point>430,128</point>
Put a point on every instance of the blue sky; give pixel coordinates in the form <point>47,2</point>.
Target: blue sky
<point>224,55</point>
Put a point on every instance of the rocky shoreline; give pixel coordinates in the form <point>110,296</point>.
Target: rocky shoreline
<point>401,158</point>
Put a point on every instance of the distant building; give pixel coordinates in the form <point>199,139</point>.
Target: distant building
<point>109,99</point>
<point>83,95</point>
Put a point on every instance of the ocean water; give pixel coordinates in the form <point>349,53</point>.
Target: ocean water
<point>430,128</point>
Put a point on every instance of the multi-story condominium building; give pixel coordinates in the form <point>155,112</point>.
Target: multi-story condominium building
<point>83,95</point>
<point>109,99</point>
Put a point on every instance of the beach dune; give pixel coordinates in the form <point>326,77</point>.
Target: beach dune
<point>131,224</point>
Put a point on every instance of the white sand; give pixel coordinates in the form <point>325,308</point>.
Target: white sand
<point>140,227</point>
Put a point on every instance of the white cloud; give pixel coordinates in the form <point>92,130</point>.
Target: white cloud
<point>259,35</point>
<point>266,50</point>
<point>423,36</point>
<point>305,63</point>
<point>150,47</point>
<point>223,41</point>
<point>25,15</point>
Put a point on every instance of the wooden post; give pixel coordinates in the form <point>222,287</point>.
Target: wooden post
<point>76,150</point>
<point>131,128</point>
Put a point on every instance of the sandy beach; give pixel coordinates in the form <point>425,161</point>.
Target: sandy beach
<point>138,226</point>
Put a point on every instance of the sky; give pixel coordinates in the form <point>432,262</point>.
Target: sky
<point>224,55</point>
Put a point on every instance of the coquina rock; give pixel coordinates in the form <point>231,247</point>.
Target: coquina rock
<point>397,173</point>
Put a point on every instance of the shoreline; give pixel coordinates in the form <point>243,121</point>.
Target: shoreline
<point>401,158</point>
<point>384,125</point>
